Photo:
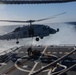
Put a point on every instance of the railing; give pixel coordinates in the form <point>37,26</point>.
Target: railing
<point>9,53</point>
<point>9,50</point>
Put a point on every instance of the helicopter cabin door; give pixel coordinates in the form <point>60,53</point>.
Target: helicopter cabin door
<point>31,32</point>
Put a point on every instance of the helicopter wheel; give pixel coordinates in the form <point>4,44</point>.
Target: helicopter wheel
<point>41,37</point>
<point>37,39</point>
<point>17,42</point>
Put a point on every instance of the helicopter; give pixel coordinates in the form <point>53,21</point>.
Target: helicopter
<point>32,30</point>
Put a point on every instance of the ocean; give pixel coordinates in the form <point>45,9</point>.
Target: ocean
<point>66,35</point>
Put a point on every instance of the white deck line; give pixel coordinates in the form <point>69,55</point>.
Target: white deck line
<point>49,73</point>
<point>32,70</point>
<point>36,63</point>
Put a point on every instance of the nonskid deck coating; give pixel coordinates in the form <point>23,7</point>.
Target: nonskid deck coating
<point>27,65</point>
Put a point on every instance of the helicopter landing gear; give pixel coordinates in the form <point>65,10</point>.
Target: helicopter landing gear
<point>37,39</point>
<point>41,37</point>
<point>17,42</point>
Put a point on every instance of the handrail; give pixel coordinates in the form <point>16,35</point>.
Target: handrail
<point>9,50</point>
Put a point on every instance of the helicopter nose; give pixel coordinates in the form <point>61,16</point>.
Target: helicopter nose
<point>52,31</point>
<point>57,29</point>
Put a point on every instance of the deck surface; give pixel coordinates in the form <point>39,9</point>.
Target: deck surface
<point>28,66</point>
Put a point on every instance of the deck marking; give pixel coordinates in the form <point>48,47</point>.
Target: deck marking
<point>20,68</point>
<point>49,73</point>
<point>36,63</point>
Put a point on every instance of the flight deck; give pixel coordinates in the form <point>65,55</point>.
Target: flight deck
<point>18,62</point>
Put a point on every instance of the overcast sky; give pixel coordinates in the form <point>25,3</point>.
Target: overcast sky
<point>27,12</point>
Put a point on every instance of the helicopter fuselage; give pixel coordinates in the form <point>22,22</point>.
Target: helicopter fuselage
<point>35,30</point>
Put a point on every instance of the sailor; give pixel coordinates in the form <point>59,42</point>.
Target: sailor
<point>29,50</point>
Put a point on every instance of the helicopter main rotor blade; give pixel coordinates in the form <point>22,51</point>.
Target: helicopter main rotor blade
<point>54,16</point>
<point>17,21</point>
<point>31,21</point>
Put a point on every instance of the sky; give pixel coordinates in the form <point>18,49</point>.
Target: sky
<point>27,12</point>
<point>66,35</point>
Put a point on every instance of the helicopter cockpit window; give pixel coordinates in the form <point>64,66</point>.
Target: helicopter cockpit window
<point>17,29</point>
<point>44,28</point>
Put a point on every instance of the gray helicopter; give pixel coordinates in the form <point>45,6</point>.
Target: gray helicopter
<point>33,30</point>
